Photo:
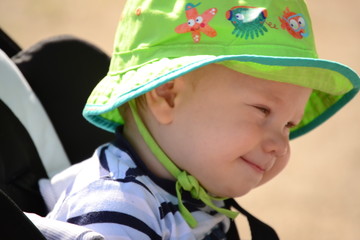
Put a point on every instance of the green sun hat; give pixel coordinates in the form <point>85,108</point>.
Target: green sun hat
<point>157,41</point>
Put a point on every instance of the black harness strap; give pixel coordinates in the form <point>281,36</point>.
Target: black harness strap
<point>259,229</point>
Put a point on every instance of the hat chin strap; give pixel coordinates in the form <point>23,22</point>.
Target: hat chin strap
<point>184,181</point>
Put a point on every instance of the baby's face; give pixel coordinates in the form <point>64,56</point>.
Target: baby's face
<point>231,131</point>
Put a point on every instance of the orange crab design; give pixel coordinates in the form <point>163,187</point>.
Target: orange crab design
<point>294,23</point>
<point>196,23</point>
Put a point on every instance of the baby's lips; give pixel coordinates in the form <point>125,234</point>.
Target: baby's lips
<point>258,167</point>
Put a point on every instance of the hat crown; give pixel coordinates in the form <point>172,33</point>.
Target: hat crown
<point>154,29</point>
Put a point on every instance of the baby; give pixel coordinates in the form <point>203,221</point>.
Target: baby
<point>203,99</point>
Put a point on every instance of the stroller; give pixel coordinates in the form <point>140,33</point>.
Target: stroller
<point>37,141</point>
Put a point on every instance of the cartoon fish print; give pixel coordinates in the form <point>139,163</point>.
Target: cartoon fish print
<point>294,23</point>
<point>248,21</point>
<point>197,24</point>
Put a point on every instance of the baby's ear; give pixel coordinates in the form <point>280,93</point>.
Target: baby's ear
<point>166,92</point>
<point>161,101</point>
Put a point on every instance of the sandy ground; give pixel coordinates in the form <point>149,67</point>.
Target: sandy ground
<point>318,195</point>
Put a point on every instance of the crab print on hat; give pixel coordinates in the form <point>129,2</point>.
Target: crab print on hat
<point>248,21</point>
<point>196,23</point>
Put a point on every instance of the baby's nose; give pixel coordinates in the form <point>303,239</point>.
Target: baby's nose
<point>276,144</point>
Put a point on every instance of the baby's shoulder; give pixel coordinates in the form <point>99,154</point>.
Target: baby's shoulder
<point>118,189</point>
<point>111,177</point>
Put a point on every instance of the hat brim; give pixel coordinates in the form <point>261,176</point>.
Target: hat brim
<point>333,84</point>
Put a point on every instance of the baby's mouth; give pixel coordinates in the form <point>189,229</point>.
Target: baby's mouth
<point>254,165</point>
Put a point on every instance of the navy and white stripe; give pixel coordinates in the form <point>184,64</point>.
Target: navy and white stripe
<point>117,196</point>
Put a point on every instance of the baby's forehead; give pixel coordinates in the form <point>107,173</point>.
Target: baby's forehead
<point>220,77</point>
<point>223,73</point>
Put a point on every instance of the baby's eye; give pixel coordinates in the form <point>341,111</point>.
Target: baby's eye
<point>264,110</point>
<point>290,125</point>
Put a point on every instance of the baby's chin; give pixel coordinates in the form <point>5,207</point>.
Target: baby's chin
<point>230,193</point>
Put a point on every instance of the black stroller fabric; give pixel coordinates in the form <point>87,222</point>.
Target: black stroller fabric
<point>62,71</point>
<point>15,225</point>
<point>8,45</point>
<point>20,164</point>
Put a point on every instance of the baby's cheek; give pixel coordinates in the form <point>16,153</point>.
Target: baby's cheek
<point>278,167</point>
<point>281,164</point>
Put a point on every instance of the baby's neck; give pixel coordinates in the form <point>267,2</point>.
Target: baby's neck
<point>132,134</point>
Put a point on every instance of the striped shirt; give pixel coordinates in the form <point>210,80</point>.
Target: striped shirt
<point>116,195</point>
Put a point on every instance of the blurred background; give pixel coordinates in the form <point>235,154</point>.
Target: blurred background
<point>318,194</point>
